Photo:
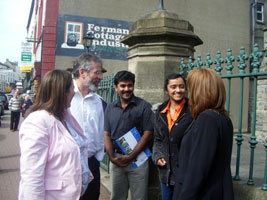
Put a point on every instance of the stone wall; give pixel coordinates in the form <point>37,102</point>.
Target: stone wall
<point>261,117</point>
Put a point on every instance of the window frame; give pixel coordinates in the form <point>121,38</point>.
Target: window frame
<point>261,11</point>
<point>67,31</point>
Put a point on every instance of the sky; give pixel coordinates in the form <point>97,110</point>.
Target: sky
<point>13,21</point>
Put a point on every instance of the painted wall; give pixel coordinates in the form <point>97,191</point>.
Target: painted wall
<point>106,32</point>
<point>220,24</point>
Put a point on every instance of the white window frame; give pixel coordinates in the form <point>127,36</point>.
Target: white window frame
<point>261,12</point>
<point>80,39</point>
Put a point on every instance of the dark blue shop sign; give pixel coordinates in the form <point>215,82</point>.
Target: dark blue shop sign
<point>107,34</point>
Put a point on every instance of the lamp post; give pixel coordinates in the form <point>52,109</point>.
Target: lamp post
<point>87,41</point>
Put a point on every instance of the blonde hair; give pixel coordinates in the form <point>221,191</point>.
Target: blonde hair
<point>206,91</point>
<point>27,97</point>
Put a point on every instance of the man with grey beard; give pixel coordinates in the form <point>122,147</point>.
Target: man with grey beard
<point>87,108</point>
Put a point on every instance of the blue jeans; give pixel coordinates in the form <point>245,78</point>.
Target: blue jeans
<point>166,192</point>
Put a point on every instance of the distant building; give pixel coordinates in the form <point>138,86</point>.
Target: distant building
<point>9,75</point>
<point>6,79</point>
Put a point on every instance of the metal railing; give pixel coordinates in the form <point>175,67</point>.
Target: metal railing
<point>253,75</point>
<point>107,91</point>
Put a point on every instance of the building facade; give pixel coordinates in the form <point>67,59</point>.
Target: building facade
<point>9,75</point>
<point>58,26</point>
<point>258,19</point>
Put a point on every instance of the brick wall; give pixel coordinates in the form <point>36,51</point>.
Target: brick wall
<point>49,36</point>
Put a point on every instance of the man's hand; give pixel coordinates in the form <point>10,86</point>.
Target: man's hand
<point>161,162</point>
<point>122,161</point>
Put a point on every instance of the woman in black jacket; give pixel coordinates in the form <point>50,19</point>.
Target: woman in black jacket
<point>204,159</point>
<point>26,105</point>
<point>172,119</point>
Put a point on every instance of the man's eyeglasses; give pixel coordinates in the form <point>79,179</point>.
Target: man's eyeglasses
<point>98,73</point>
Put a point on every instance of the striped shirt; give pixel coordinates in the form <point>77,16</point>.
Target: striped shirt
<point>15,104</point>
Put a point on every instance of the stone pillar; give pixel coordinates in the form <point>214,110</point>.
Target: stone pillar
<point>157,42</point>
<point>261,122</point>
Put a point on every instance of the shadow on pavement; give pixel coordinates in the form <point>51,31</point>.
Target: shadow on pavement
<point>10,156</point>
<point>2,137</point>
<point>3,171</point>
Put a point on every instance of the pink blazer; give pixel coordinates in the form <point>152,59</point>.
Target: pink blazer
<point>50,166</point>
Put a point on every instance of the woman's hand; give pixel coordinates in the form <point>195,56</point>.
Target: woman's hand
<point>161,162</point>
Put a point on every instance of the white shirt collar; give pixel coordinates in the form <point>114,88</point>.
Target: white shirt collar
<point>76,90</point>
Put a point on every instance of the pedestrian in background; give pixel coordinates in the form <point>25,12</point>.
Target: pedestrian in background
<point>121,116</point>
<point>26,105</point>
<point>87,108</point>
<point>53,162</point>
<point>203,170</point>
<point>15,105</point>
<point>172,119</point>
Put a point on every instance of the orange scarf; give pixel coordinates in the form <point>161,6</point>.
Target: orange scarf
<point>171,119</point>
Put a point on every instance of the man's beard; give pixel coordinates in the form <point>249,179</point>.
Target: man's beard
<point>91,87</point>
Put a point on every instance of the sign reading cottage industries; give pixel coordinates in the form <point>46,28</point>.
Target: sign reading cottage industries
<point>107,34</point>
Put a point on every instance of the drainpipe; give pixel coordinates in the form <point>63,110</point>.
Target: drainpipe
<point>42,47</point>
<point>253,5</point>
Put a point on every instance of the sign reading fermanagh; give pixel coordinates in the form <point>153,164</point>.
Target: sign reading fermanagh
<point>107,34</point>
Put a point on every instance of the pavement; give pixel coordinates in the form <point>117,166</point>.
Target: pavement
<point>9,162</point>
<point>245,155</point>
<point>10,154</point>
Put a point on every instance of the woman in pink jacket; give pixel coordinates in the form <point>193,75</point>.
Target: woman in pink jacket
<point>53,163</point>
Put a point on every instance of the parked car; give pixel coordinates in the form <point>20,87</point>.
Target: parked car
<point>4,99</point>
<point>2,108</point>
<point>9,96</point>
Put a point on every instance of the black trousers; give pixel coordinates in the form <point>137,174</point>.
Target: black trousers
<point>14,120</point>
<point>93,190</point>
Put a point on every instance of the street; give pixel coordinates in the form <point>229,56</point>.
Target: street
<point>9,162</point>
